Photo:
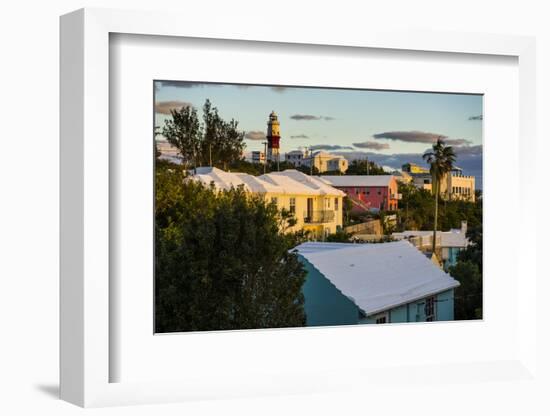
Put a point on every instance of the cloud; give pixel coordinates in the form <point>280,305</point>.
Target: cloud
<point>469,158</point>
<point>181,84</point>
<point>300,136</point>
<point>309,117</point>
<point>419,137</point>
<point>469,151</point>
<point>329,147</point>
<point>457,142</point>
<point>409,136</point>
<point>480,117</point>
<point>372,145</point>
<point>255,135</point>
<point>164,107</point>
<point>304,117</point>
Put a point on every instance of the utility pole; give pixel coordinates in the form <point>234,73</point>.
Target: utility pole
<point>265,156</point>
<point>367,164</point>
<point>210,153</point>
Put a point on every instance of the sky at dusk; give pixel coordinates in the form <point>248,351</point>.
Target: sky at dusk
<point>388,127</point>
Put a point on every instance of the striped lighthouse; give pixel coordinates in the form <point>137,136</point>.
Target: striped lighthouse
<point>273,138</point>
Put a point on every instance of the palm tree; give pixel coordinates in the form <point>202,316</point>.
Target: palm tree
<point>441,159</point>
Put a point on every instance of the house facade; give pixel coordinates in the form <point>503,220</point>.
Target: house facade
<point>258,157</point>
<point>316,206</point>
<point>350,284</point>
<point>454,185</point>
<point>367,192</point>
<point>322,161</point>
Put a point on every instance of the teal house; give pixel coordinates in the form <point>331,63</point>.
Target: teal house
<point>349,284</point>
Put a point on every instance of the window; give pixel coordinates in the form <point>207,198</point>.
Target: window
<point>328,202</point>
<point>429,308</point>
<point>336,204</point>
<point>293,205</point>
<point>381,318</point>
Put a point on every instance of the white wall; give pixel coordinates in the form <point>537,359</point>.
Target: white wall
<point>29,208</point>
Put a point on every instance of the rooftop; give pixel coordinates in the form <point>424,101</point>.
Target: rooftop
<point>377,277</point>
<point>455,237</point>
<point>322,153</point>
<point>289,181</point>
<point>358,180</point>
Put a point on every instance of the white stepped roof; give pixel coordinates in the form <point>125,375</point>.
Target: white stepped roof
<point>358,180</point>
<point>289,182</point>
<point>301,183</point>
<point>377,277</point>
<point>453,238</point>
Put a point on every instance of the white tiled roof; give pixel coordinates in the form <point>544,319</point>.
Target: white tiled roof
<point>358,180</point>
<point>452,238</point>
<point>377,277</point>
<point>290,182</point>
<point>301,183</point>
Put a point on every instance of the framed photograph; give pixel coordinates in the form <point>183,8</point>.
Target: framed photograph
<point>278,214</point>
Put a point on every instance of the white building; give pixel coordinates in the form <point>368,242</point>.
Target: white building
<point>296,157</point>
<point>322,161</point>
<point>258,157</point>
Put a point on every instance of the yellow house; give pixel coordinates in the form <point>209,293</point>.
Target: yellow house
<point>454,185</point>
<point>316,205</point>
<point>414,168</point>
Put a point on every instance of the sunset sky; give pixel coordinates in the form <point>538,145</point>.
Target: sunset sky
<point>388,127</point>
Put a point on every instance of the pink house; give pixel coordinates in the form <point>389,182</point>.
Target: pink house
<point>367,192</point>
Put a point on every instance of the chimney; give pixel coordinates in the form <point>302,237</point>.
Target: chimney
<point>463,227</point>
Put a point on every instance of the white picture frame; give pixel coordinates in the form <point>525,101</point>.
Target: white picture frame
<point>85,355</point>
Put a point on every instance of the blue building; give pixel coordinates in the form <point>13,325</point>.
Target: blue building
<point>351,284</point>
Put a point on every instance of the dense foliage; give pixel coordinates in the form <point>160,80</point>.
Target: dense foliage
<point>221,259</point>
<point>417,210</point>
<point>469,272</point>
<point>364,167</point>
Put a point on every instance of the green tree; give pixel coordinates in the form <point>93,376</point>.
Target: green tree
<point>469,272</point>
<point>215,142</point>
<point>347,207</point>
<point>221,260</point>
<point>221,143</point>
<point>183,131</point>
<point>441,159</point>
<point>364,167</point>
<point>468,296</point>
<point>339,236</point>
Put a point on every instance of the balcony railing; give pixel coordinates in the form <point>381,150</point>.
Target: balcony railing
<point>318,217</point>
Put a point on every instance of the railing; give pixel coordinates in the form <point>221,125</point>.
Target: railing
<point>318,217</point>
<point>425,241</point>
